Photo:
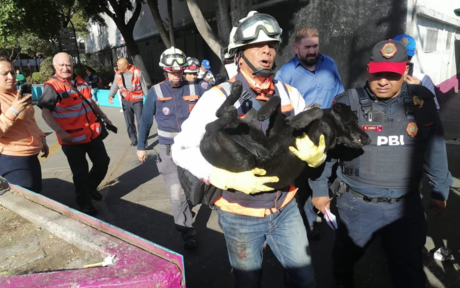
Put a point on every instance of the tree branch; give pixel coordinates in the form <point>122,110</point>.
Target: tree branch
<point>153,5</point>
<point>204,28</point>
<point>137,12</point>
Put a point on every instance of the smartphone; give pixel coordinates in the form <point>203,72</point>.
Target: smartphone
<point>411,68</point>
<point>26,89</point>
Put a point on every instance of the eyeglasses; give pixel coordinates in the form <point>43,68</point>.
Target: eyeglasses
<point>249,29</point>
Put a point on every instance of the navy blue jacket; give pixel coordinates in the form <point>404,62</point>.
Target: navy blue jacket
<point>434,162</point>
<point>170,110</point>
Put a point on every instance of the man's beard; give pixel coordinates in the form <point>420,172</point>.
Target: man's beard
<point>307,62</point>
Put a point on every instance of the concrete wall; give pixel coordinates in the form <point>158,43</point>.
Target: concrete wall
<point>348,30</point>
<point>438,16</point>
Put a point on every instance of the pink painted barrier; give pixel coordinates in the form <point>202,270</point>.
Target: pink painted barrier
<point>138,262</point>
<point>447,89</point>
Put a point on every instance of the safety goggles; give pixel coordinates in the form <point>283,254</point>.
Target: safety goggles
<point>170,59</point>
<point>249,29</point>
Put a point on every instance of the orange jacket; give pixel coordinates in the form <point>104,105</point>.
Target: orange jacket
<point>72,113</point>
<point>137,93</point>
<point>19,135</point>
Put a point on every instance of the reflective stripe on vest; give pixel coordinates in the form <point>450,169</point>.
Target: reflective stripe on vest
<point>136,86</point>
<point>235,208</point>
<point>72,113</point>
<point>167,134</point>
<point>79,138</point>
<point>159,93</point>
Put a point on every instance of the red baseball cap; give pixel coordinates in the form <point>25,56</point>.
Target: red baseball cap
<point>388,56</point>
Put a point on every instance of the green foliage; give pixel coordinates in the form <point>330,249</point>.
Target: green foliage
<point>37,77</point>
<point>30,80</point>
<point>46,69</point>
<point>106,75</point>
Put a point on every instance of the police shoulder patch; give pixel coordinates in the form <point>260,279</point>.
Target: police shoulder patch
<point>417,101</point>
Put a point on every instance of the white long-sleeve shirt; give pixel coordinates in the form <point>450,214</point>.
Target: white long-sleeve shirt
<point>186,148</point>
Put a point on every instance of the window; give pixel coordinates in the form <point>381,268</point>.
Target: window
<point>449,40</point>
<point>431,40</point>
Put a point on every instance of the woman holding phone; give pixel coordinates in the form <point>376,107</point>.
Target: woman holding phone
<point>20,138</point>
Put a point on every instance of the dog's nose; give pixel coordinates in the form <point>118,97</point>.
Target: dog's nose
<point>365,140</point>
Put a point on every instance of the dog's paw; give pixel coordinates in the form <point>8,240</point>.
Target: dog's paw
<point>230,112</point>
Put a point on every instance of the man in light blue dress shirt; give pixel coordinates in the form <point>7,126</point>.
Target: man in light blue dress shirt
<point>316,77</point>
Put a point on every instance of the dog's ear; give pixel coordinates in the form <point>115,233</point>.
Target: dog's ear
<point>337,108</point>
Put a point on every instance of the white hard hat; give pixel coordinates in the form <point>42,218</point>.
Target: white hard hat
<point>255,28</point>
<point>193,65</point>
<point>172,60</point>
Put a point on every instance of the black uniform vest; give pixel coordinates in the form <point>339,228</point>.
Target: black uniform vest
<point>395,157</point>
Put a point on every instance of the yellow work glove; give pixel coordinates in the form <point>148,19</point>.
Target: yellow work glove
<point>307,151</point>
<point>246,182</point>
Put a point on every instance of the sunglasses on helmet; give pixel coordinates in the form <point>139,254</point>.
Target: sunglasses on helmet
<point>249,29</point>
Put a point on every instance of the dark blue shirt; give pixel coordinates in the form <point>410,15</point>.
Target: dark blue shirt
<point>435,161</point>
<point>318,87</point>
<point>174,111</point>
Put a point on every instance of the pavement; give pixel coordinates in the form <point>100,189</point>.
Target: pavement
<point>136,200</point>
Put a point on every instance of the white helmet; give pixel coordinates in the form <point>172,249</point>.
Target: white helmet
<point>173,60</point>
<point>249,31</point>
<point>193,65</point>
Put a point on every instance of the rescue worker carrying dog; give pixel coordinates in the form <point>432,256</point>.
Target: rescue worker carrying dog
<point>170,102</point>
<point>379,185</point>
<point>248,217</point>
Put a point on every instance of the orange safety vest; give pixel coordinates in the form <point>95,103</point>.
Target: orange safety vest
<point>137,94</point>
<point>72,113</point>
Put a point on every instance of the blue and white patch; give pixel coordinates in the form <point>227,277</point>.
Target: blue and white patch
<point>204,85</point>
<point>166,111</point>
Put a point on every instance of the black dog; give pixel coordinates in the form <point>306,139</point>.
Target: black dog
<point>237,145</point>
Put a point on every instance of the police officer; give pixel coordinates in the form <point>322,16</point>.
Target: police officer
<point>247,217</point>
<point>191,74</point>
<point>170,102</point>
<point>379,185</point>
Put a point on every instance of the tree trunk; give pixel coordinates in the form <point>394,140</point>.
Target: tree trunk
<point>224,25</point>
<point>126,29</point>
<point>171,24</point>
<point>203,27</point>
<point>239,9</point>
<point>153,5</point>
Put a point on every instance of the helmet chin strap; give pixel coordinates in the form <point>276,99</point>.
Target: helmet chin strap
<point>260,72</point>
